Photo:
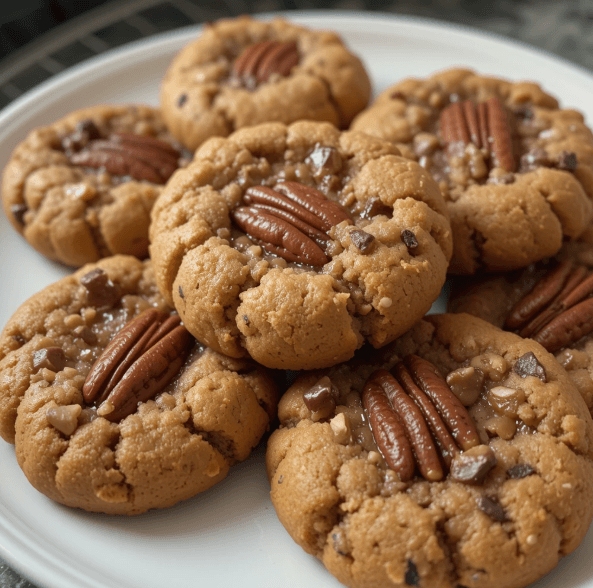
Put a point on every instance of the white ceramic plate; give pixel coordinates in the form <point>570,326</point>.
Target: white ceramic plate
<point>228,536</point>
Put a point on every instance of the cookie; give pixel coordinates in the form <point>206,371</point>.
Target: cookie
<point>82,188</point>
<point>113,407</point>
<point>297,243</point>
<point>515,169</point>
<point>242,72</point>
<point>549,301</point>
<point>394,476</point>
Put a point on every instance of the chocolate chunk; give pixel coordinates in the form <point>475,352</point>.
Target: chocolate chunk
<point>524,112</point>
<point>520,471</point>
<point>85,131</point>
<point>412,578</point>
<point>490,506</point>
<point>246,319</point>
<point>19,339</point>
<point>52,358</point>
<point>473,465</point>
<point>320,399</point>
<point>18,212</point>
<point>374,208</point>
<point>362,240</point>
<point>324,160</point>
<point>181,292</point>
<point>101,291</point>
<point>86,335</point>
<point>410,241</point>
<point>567,160</point>
<point>396,95</point>
<point>280,479</point>
<point>181,100</point>
<point>528,365</point>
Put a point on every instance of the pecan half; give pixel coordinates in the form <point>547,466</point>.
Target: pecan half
<point>388,431</point>
<point>291,220</point>
<point>124,154</point>
<point>405,418</point>
<point>486,125</point>
<point>558,310</point>
<point>258,62</point>
<point>139,362</point>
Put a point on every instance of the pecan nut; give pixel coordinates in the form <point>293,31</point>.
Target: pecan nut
<point>291,220</point>
<point>558,310</point>
<point>411,415</point>
<point>124,154</point>
<point>258,62</point>
<point>486,125</point>
<point>139,362</point>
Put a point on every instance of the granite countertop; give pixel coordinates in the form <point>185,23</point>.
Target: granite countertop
<point>563,28</point>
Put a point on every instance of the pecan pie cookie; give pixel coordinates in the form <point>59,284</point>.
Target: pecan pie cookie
<point>295,244</point>
<point>82,188</point>
<point>550,302</point>
<point>112,405</point>
<point>241,72</point>
<point>515,169</point>
<point>461,456</point>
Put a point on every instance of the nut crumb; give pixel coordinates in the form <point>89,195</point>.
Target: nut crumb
<point>340,425</point>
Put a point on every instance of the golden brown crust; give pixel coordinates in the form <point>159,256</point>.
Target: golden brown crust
<point>500,220</point>
<point>73,214</point>
<point>328,84</point>
<point>295,317</point>
<point>336,501</point>
<point>181,443</point>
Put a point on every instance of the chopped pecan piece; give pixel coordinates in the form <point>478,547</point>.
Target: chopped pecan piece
<point>259,61</point>
<point>291,220</point>
<point>125,154</point>
<point>52,358</point>
<point>486,125</point>
<point>558,310</point>
<point>412,417</point>
<point>138,363</point>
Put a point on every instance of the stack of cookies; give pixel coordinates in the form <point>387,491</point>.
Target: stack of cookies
<point>261,252</point>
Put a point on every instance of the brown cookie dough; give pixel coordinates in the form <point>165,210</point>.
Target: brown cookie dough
<point>515,498</point>
<point>242,72</point>
<point>82,188</point>
<point>515,169</point>
<point>550,301</point>
<point>191,412</point>
<point>244,281</point>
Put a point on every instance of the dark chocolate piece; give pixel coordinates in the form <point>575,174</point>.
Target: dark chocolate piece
<point>528,365</point>
<point>362,240</point>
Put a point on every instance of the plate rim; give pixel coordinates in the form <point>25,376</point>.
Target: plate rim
<point>21,557</point>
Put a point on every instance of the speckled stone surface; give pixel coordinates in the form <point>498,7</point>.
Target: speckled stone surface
<point>563,28</point>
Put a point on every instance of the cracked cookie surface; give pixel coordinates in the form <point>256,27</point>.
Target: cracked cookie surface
<point>336,496</point>
<point>82,188</point>
<point>241,72</point>
<point>515,169</point>
<point>254,288</point>
<point>171,447</point>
